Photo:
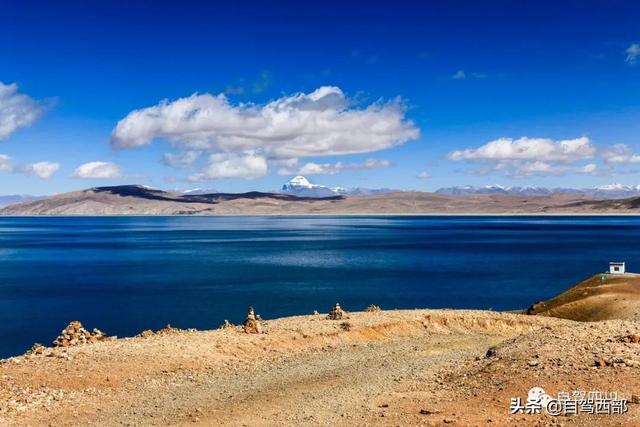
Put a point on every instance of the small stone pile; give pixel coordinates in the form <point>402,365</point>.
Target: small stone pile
<point>167,330</point>
<point>146,334</point>
<point>76,334</point>
<point>226,325</point>
<point>252,323</point>
<point>372,308</point>
<point>36,349</point>
<point>336,313</point>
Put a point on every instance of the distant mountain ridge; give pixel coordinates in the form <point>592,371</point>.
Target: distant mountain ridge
<point>143,200</point>
<point>610,191</point>
<point>12,199</point>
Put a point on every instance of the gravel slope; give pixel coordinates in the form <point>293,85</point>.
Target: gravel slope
<point>413,367</point>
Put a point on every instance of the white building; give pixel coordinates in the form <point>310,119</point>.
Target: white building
<point>616,267</point>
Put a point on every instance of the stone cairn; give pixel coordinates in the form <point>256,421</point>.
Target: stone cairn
<point>336,313</point>
<point>226,325</point>
<point>76,334</point>
<point>372,308</point>
<point>252,323</point>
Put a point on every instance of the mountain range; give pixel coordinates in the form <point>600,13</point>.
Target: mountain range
<point>143,200</point>
<point>610,191</point>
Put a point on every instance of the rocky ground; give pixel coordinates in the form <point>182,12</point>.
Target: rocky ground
<point>417,367</point>
<point>600,297</point>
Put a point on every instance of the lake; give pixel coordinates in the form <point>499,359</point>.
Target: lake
<point>127,274</point>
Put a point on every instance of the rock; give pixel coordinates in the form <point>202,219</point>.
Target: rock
<point>372,308</point>
<point>226,325</point>
<point>75,334</point>
<point>251,324</point>
<point>492,352</point>
<point>146,333</point>
<point>336,313</point>
<point>601,363</point>
<point>635,399</point>
<point>632,338</point>
<point>533,362</point>
<point>36,349</point>
<point>168,330</point>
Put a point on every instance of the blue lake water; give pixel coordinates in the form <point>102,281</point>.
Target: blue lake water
<point>124,275</point>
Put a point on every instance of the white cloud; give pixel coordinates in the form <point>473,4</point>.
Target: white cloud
<point>531,156</point>
<point>98,170</point>
<point>180,160</point>
<point>424,175</point>
<point>17,110</point>
<point>44,170</point>
<point>633,52</point>
<point>544,168</point>
<point>5,163</point>
<point>620,153</point>
<point>507,149</point>
<point>232,166</point>
<point>312,168</point>
<point>459,75</point>
<point>321,123</point>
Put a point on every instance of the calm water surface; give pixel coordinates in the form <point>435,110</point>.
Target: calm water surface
<point>124,275</point>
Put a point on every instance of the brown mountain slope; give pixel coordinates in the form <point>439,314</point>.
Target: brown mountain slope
<point>617,297</point>
<point>139,200</point>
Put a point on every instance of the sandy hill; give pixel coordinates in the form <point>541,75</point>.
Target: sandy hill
<point>617,297</point>
<point>140,200</point>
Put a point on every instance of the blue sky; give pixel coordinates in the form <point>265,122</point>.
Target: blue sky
<point>374,94</point>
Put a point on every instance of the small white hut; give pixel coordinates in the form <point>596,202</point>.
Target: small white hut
<point>616,268</point>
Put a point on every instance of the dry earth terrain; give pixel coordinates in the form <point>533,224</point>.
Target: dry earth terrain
<point>608,297</point>
<point>412,367</point>
<point>138,200</point>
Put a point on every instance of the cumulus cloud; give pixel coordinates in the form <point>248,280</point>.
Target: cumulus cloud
<point>530,156</point>
<point>229,165</point>
<point>633,52</point>
<point>423,175</point>
<point>313,168</point>
<point>98,170</point>
<point>44,170</point>
<point>506,149</point>
<point>180,160</point>
<point>17,109</point>
<point>620,153</point>
<point>321,123</point>
<point>545,168</point>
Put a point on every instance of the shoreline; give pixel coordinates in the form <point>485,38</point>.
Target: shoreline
<point>286,215</point>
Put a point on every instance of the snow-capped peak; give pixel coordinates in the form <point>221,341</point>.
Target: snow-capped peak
<point>299,181</point>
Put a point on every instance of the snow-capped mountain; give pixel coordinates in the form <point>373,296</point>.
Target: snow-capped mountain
<point>610,191</point>
<point>301,187</point>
